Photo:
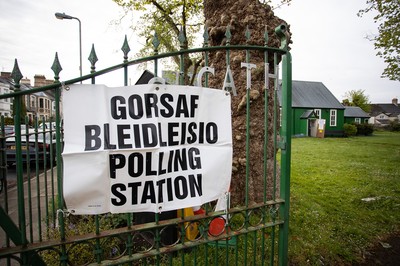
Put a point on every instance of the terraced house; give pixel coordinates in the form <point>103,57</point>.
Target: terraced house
<point>38,105</point>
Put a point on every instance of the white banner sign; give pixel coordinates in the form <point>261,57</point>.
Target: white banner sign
<point>145,148</point>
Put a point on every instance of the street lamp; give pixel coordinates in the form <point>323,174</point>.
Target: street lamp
<point>65,16</point>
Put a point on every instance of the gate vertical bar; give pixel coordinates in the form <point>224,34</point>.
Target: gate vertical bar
<point>17,76</point>
<point>38,188</point>
<point>265,150</point>
<point>246,223</point>
<point>126,49</point>
<point>274,139</point>
<point>157,239</point>
<point>29,183</point>
<point>56,67</point>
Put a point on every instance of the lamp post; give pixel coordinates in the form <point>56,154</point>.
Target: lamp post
<point>65,16</point>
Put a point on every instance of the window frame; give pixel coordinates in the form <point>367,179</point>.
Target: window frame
<point>333,118</point>
<point>318,113</point>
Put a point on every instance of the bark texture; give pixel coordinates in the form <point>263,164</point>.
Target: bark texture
<point>240,14</point>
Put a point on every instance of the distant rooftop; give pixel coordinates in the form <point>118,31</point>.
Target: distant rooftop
<point>389,109</point>
<point>312,94</point>
<point>354,111</point>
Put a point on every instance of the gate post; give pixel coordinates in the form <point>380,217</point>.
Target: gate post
<point>286,132</point>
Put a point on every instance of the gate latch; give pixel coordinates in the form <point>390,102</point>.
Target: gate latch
<point>282,145</point>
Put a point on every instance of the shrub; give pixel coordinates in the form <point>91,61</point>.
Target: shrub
<point>364,129</point>
<point>8,121</point>
<point>394,125</point>
<point>349,130</point>
<point>82,253</point>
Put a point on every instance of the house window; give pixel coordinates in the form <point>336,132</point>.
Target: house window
<point>318,113</point>
<point>5,92</point>
<point>382,117</point>
<point>357,120</point>
<point>333,118</point>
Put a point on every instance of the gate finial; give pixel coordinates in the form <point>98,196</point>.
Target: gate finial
<point>16,74</point>
<point>206,36</point>
<point>125,49</point>
<point>181,38</point>
<point>228,35</point>
<point>56,67</point>
<point>156,42</point>
<point>92,59</point>
<point>247,34</point>
<point>266,36</point>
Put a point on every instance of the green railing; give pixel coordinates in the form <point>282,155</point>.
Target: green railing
<point>40,232</point>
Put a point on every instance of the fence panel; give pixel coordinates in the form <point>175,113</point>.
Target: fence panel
<point>36,229</point>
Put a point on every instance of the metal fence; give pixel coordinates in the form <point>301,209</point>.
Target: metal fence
<point>35,229</point>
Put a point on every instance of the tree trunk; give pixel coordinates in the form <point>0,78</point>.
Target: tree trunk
<point>240,14</point>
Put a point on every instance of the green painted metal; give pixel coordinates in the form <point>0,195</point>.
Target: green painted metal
<point>205,44</point>
<point>285,162</point>
<point>92,59</point>
<point>56,67</point>
<point>17,76</point>
<point>266,135</point>
<point>156,44</point>
<point>15,233</point>
<point>125,49</point>
<point>246,222</point>
<point>44,230</point>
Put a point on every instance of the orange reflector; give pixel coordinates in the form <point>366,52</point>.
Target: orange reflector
<point>217,226</point>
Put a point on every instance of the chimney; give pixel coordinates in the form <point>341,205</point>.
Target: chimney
<point>6,75</point>
<point>40,80</point>
<point>395,101</point>
<point>26,81</point>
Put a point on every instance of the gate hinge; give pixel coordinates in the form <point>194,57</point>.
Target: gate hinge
<point>282,145</point>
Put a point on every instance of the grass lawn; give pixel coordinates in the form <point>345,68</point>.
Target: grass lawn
<point>345,194</point>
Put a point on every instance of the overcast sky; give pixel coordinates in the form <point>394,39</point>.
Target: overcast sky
<point>329,43</point>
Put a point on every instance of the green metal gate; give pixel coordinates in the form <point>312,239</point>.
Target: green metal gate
<point>35,229</point>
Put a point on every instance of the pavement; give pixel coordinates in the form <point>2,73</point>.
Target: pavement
<point>36,197</point>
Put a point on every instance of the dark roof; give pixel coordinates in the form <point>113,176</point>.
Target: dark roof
<point>24,87</point>
<point>312,94</point>
<point>6,81</point>
<point>354,111</point>
<point>389,109</point>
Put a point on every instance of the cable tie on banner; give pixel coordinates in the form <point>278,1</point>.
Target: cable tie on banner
<point>65,213</point>
<point>63,86</point>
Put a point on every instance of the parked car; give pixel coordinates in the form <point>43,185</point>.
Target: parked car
<point>2,182</point>
<point>48,125</point>
<point>39,146</point>
<point>8,130</point>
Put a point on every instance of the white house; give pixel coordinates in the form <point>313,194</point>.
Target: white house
<point>383,113</point>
